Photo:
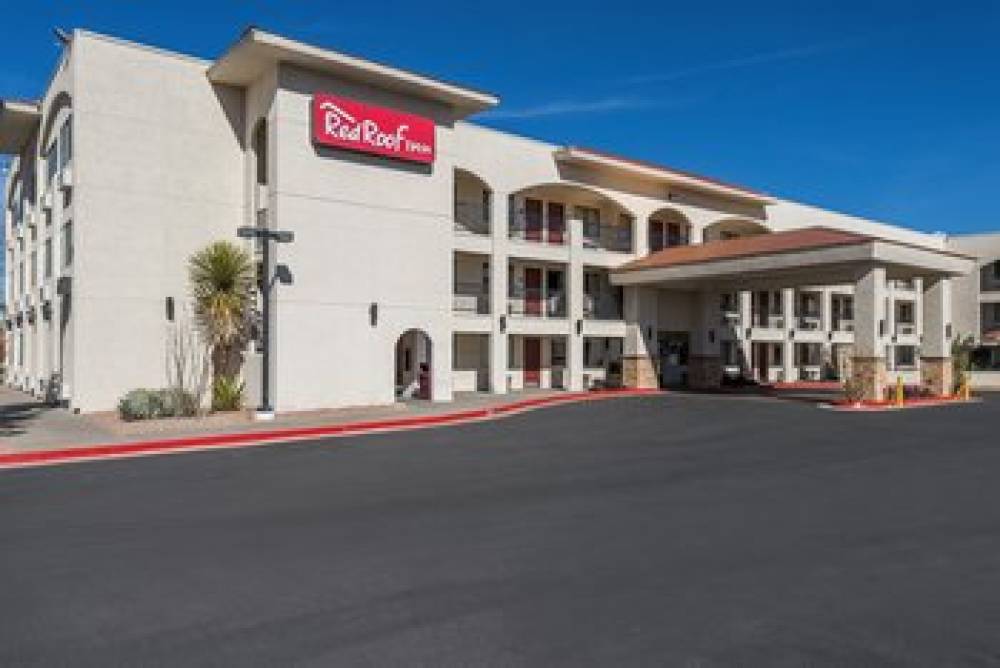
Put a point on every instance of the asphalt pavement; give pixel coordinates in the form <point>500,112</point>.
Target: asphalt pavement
<point>677,530</point>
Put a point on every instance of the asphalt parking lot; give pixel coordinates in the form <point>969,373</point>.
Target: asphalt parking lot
<point>663,530</point>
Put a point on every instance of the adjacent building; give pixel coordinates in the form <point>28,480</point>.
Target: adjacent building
<point>431,255</point>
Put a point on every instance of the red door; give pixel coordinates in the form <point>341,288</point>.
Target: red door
<point>533,219</point>
<point>532,291</point>
<point>557,223</point>
<point>532,362</point>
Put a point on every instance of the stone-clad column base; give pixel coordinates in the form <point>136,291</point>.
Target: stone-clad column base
<point>639,372</point>
<point>870,371</point>
<point>936,375</point>
<point>704,372</point>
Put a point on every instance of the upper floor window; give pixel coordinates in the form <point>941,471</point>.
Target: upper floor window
<point>67,244</point>
<point>51,162</point>
<point>66,142</point>
<point>48,258</point>
<point>591,218</point>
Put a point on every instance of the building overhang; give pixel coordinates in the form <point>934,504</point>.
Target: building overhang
<point>258,50</point>
<point>604,162</point>
<point>812,256</point>
<point>18,121</point>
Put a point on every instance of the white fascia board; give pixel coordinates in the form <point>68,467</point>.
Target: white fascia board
<point>584,157</point>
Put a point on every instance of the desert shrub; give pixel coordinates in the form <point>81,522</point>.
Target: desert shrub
<point>147,404</point>
<point>854,389</point>
<point>227,394</point>
<point>141,404</point>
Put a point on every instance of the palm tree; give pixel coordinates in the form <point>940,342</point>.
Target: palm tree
<point>222,277</point>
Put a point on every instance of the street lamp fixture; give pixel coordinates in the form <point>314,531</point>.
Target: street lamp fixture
<point>266,411</point>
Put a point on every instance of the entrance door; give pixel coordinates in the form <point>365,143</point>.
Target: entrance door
<point>673,349</point>
<point>532,361</point>
<point>761,361</point>
<point>557,223</point>
<point>532,291</point>
<point>533,219</point>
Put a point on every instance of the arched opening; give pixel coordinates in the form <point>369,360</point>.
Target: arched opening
<point>473,203</point>
<point>541,213</point>
<point>414,366</point>
<point>668,227</point>
<point>733,228</point>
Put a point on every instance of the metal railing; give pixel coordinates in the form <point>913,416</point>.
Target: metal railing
<point>601,307</point>
<point>471,298</point>
<point>535,303</point>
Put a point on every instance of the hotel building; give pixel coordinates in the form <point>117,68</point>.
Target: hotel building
<point>431,255</point>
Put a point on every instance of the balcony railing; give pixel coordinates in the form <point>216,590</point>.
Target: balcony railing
<point>601,307</point>
<point>906,329</point>
<point>843,325</point>
<point>539,235</point>
<point>612,238</point>
<point>809,321</point>
<point>535,303</point>
<point>770,321</point>
<point>471,299</point>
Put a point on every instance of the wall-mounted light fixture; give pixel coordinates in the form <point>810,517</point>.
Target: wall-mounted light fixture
<point>711,336</point>
<point>373,314</point>
<point>170,309</point>
<point>579,327</point>
<point>503,324</point>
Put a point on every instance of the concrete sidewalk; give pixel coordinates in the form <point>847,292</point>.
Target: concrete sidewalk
<point>27,425</point>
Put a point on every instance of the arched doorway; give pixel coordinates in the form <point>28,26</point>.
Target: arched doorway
<point>668,227</point>
<point>414,366</point>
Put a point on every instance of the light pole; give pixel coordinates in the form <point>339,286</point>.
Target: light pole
<point>265,411</point>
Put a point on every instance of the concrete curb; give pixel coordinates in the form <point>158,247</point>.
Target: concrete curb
<point>247,439</point>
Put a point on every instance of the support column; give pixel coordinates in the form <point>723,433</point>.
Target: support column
<point>788,373</point>
<point>639,362</point>
<point>826,326</point>
<point>498,295</point>
<point>935,352</point>
<point>745,339</point>
<point>574,307</point>
<point>869,332</point>
<point>705,362</point>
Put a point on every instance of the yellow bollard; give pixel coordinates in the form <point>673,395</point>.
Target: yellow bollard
<point>966,389</point>
<point>899,390</point>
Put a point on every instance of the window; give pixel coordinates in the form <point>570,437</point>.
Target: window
<point>48,258</point>
<point>904,312</point>
<point>67,244</point>
<point>996,270</point>
<point>591,218</point>
<point>33,275</point>
<point>729,353</point>
<point>906,357</point>
<point>20,277</point>
<point>65,143</point>
<point>51,164</point>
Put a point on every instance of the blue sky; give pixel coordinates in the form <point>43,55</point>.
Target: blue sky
<point>887,110</point>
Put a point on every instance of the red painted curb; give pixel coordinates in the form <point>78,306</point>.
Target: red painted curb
<point>167,445</point>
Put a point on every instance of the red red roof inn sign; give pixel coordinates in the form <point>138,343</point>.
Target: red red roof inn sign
<point>365,128</point>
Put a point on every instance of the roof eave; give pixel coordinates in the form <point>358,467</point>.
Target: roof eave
<point>256,49</point>
<point>18,119</point>
<point>570,154</point>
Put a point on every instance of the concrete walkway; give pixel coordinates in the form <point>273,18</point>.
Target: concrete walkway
<point>27,425</point>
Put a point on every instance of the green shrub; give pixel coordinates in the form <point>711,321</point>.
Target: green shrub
<point>141,404</point>
<point>146,404</point>
<point>227,394</point>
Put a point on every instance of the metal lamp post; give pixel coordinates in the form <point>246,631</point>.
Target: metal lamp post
<point>265,411</point>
